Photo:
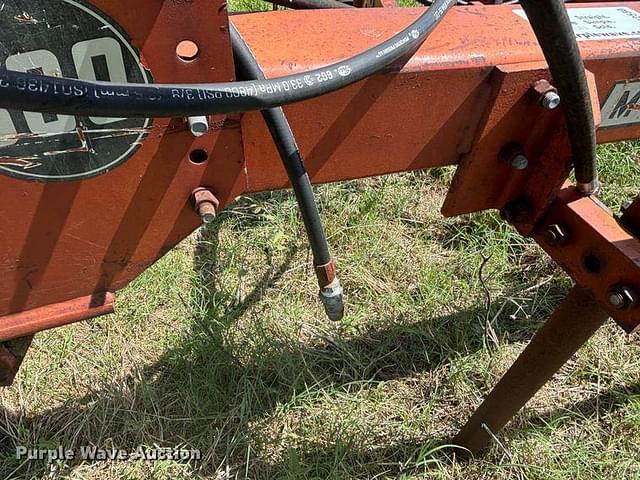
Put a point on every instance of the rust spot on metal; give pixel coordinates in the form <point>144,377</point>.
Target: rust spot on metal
<point>326,274</point>
<point>33,161</point>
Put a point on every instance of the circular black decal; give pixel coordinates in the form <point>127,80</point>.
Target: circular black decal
<point>67,38</point>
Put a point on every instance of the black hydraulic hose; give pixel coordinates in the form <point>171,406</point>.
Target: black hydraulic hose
<point>289,152</point>
<point>552,26</point>
<point>310,4</point>
<point>25,91</point>
<point>330,290</point>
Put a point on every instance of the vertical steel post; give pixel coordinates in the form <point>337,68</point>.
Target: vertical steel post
<point>12,354</point>
<point>573,322</point>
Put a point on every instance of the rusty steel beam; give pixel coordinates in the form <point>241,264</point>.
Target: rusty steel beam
<point>56,315</point>
<point>573,322</point>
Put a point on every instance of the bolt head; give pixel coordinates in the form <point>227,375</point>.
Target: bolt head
<point>550,100</point>
<point>555,234</point>
<point>207,217</point>
<point>519,162</point>
<point>616,300</point>
<point>623,298</point>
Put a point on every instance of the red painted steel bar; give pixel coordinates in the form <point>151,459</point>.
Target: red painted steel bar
<point>595,250</point>
<point>25,323</point>
<point>62,241</point>
<point>422,115</point>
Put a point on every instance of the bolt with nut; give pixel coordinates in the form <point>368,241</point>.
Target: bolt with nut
<point>205,204</point>
<point>623,297</point>
<point>556,234</point>
<point>546,94</point>
<point>550,100</point>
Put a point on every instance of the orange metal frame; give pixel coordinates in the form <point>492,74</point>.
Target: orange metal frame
<point>458,100</point>
<point>468,97</point>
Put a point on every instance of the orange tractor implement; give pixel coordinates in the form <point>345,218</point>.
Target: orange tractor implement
<point>94,192</point>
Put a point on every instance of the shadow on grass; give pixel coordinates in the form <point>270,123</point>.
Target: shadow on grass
<point>212,392</point>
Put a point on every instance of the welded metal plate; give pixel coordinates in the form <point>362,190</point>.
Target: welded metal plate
<point>64,240</point>
<point>73,39</point>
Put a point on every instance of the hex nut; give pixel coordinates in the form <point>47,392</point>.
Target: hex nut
<point>545,94</point>
<point>556,234</point>
<point>205,204</point>
<point>623,297</point>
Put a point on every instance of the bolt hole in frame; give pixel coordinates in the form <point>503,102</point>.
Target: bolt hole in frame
<point>592,263</point>
<point>198,156</point>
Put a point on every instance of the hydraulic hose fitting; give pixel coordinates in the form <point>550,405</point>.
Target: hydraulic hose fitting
<point>589,188</point>
<point>332,299</point>
<point>331,293</point>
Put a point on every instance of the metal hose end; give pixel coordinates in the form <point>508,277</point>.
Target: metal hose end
<point>332,299</point>
<point>590,188</point>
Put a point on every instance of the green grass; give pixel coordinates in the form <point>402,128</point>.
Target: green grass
<point>223,347</point>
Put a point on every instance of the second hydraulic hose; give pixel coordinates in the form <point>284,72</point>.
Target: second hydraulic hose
<point>330,289</point>
<point>552,26</point>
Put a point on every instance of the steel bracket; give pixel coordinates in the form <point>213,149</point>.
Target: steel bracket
<point>516,124</point>
<point>12,354</point>
<point>598,253</point>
